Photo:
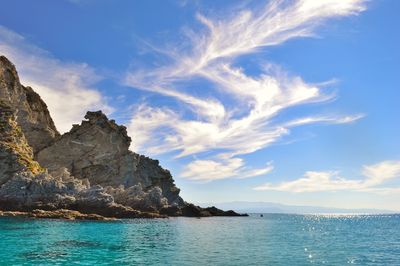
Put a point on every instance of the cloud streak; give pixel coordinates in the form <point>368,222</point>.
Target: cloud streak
<point>375,176</point>
<point>208,170</point>
<point>67,88</point>
<point>247,123</point>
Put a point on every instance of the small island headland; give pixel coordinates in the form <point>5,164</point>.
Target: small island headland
<point>88,173</point>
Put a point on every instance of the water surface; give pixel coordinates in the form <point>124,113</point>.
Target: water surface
<point>275,239</point>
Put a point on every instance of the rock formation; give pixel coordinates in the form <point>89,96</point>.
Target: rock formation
<point>86,172</point>
<point>26,186</point>
<point>99,149</point>
<point>31,111</point>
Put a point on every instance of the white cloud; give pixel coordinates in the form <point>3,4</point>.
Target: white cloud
<point>375,177</point>
<point>146,123</point>
<point>378,173</point>
<point>208,170</point>
<point>249,125</point>
<point>324,119</point>
<point>67,88</point>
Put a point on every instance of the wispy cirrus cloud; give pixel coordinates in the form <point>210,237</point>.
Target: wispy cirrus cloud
<point>376,176</point>
<point>248,125</point>
<point>227,168</point>
<point>67,88</point>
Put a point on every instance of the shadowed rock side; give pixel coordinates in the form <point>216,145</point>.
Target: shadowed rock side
<point>87,173</point>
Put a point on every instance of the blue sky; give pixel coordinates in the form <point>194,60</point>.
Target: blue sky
<point>285,101</point>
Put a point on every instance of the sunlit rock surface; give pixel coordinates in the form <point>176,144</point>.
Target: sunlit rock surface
<point>89,170</point>
<point>31,111</point>
<point>98,149</point>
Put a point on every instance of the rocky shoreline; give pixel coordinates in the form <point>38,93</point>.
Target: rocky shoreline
<point>67,214</point>
<point>86,173</point>
<point>58,214</point>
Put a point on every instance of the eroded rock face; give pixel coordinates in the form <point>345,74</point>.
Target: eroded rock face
<point>25,185</point>
<point>98,150</point>
<point>95,151</point>
<point>31,111</point>
<point>16,155</point>
<point>88,170</point>
<point>135,197</point>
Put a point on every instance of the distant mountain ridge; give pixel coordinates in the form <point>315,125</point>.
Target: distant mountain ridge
<point>270,207</point>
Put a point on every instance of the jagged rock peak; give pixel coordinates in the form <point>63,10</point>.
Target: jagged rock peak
<point>6,64</point>
<point>31,111</point>
<point>90,169</point>
<point>100,119</point>
<point>98,150</point>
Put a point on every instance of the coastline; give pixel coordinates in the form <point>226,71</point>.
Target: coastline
<point>94,175</point>
<point>65,214</point>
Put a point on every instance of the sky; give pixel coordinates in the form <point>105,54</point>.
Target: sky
<point>292,101</point>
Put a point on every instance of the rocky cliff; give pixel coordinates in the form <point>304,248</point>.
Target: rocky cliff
<point>98,149</point>
<point>89,170</point>
<point>32,114</point>
<point>26,186</point>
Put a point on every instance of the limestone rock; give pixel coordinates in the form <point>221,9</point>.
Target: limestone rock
<point>31,111</point>
<point>25,185</point>
<point>16,155</point>
<point>23,182</point>
<point>98,150</point>
<point>56,214</point>
<point>135,197</point>
<point>67,214</point>
<point>88,172</point>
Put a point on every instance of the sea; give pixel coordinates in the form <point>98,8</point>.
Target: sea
<point>268,239</point>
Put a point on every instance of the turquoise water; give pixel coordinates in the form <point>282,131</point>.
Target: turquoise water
<point>275,239</point>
